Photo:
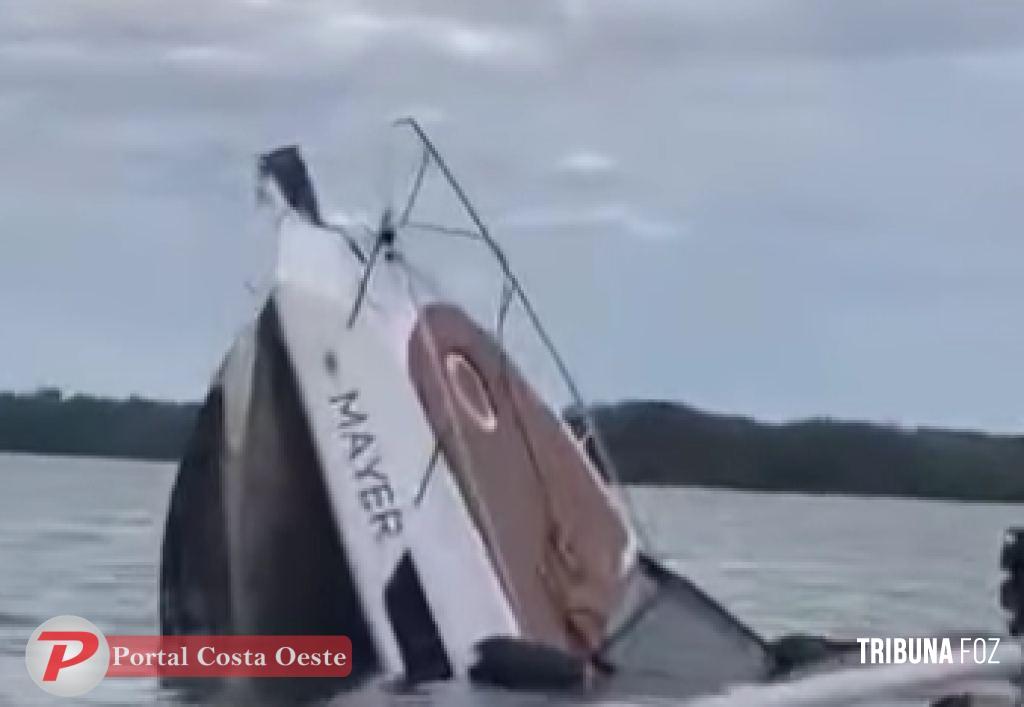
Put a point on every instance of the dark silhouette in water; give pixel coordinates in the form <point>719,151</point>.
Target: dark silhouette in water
<point>650,442</point>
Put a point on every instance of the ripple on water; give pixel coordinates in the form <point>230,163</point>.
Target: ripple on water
<point>132,518</point>
<point>18,620</point>
<point>57,534</point>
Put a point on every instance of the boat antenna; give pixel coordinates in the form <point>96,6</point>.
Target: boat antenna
<point>499,255</point>
<point>384,240</point>
<point>513,288</point>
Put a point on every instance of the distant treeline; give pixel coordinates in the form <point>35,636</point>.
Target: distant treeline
<point>650,442</point>
<point>45,422</point>
<point>669,443</point>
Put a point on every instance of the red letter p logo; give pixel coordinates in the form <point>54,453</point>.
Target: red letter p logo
<point>90,644</point>
<point>67,656</point>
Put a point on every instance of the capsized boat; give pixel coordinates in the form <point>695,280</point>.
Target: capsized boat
<point>372,460</point>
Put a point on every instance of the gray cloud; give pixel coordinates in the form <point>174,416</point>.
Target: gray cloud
<point>802,208</point>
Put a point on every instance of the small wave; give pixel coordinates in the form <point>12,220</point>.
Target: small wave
<point>56,534</point>
<point>133,518</point>
<point>10,619</point>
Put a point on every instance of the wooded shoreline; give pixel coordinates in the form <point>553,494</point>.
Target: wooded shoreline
<point>657,443</point>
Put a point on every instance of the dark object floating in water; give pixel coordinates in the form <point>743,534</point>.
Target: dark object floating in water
<point>524,665</point>
<point>1011,591</point>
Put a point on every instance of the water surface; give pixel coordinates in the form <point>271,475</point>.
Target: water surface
<point>82,536</point>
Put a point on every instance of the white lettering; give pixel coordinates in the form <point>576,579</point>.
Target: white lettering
<point>286,655</point>
<point>863,643</point>
<point>899,654</point>
<point>946,652</point>
<point>918,650</point>
<point>930,655</point>
<point>206,656</point>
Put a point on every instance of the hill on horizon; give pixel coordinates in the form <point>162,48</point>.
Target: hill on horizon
<point>672,443</point>
<point>650,442</point>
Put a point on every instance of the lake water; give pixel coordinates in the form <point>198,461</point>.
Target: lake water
<point>82,536</point>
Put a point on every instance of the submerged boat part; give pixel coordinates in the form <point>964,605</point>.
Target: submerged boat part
<point>372,460</point>
<point>392,455</point>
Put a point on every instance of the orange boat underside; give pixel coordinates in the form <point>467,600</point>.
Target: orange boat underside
<point>554,536</point>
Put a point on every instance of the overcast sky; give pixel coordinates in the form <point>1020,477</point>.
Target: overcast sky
<point>780,209</point>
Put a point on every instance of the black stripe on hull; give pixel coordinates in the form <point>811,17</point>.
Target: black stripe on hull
<point>289,573</point>
<point>195,585</point>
